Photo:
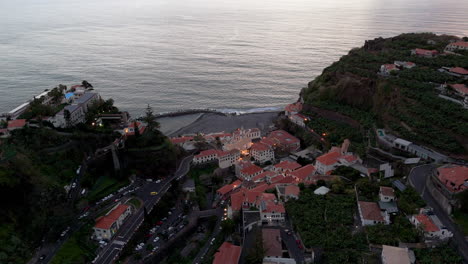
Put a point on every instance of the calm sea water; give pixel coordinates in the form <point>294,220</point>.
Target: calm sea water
<point>179,54</point>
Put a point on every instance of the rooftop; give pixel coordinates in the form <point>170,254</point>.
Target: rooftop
<point>395,255</point>
<point>272,242</point>
<point>227,254</point>
<point>292,190</point>
<point>251,170</point>
<point>460,44</point>
<point>459,70</point>
<point>85,98</point>
<point>387,191</point>
<point>17,123</point>
<point>329,159</point>
<point>304,172</point>
<point>260,147</point>
<point>454,177</point>
<point>370,211</point>
<point>106,221</point>
<point>427,223</point>
<point>288,165</point>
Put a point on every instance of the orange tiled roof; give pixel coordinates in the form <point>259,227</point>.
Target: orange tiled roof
<point>227,254</point>
<point>304,172</point>
<point>288,165</point>
<point>427,223</point>
<point>459,70</point>
<point>461,88</point>
<point>16,123</point>
<point>292,190</point>
<point>457,175</point>
<point>260,147</point>
<point>387,191</point>
<point>251,170</point>
<point>370,211</point>
<point>460,44</point>
<point>329,159</point>
<point>205,153</point>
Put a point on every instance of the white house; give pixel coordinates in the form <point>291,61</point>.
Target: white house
<point>299,119</point>
<point>370,214</point>
<point>262,152</point>
<point>227,158</point>
<point>386,194</point>
<point>432,227</point>
<point>387,69</point>
<point>249,172</point>
<point>205,156</point>
<point>106,226</point>
<point>327,162</point>
<point>459,45</point>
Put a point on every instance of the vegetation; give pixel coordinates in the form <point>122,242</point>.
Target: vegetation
<point>401,102</point>
<point>401,230</point>
<point>77,249</point>
<point>200,188</point>
<point>409,201</point>
<point>439,255</point>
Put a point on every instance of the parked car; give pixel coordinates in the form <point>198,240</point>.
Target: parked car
<point>159,223</point>
<point>156,239</point>
<point>153,193</point>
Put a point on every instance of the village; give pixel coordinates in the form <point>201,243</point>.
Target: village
<point>272,184</point>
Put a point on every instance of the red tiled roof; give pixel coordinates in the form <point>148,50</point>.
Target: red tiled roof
<point>263,187</point>
<point>273,207</point>
<point>329,159</point>
<point>425,52</point>
<point>205,153</point>
<point>251,196</point>
<point>287,179</point>
<point>276,179</point>
<point>459,70</point>
<point>303,172</point>
<point>283,137</point>
<point>370,211</point>
<point>227,254</point>
<point>268,142</point>
<point>106,221</point>
<point>288,165</point>
<point>349,158</point>
<point>461,88</point>
<point>292,190</point>
<point>178,140</point>
<point>390,67</point>
<point>272,242</point>
<point>264,175</point>
<point>457,175</point>
<point>237,199</point>
<point>296,107</point>
<point>18,123</point>
<point>427,223</point>
<point>260,147</point>
<point>387,191</point>
<point>460,44</point>
<point>251,170</point>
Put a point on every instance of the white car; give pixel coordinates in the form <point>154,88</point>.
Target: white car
<point>156,239</point>
<point>155,249</point>
<point>158,181</point>
<point>73,185</point>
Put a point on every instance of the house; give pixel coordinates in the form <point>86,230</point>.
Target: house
<point>86,100</point>
<point>424,53</point>
<point>16,124</point>
<point>431,226</point>
<point>453,177</point>
<point>292,109</point>
<point>370,214</point>
<point>205,156</point>
<point>264,176</point>
<point>461,89</point>
<point>250,172</point>
<point>286,166</point>
<point>397,255</point>
<point>262,152</point>
<point>386,194</point>
<point>299,119</point>
<point>459,72</point>
<point>227,158</point>
<point>227,253</point>
<point>303,173</point>
<point>189,186</point>
<point>327,163</point>
<point>241,164</point>
<point>272,243</point>
<point>180,141</point>
<point>387,69</point>
<point>287,191</point>
<point>459,45</point>
<point>271,211</point>
<point>241,139</point>
<point>227,189</point>
<point>133,126</point>
<point>106,226</point>
<point>405,64</point>
<point>285,141</point>
<point>76,115</point>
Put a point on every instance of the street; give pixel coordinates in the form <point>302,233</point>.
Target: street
<point>418,177</point>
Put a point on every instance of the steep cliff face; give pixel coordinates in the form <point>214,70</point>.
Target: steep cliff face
<point>406,101</point>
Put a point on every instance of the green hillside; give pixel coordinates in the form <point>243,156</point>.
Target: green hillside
<point>406,102</point>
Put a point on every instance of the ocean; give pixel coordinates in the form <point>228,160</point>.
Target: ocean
<point>230,55</point>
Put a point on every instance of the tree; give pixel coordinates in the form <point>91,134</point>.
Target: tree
<point>150,119</point>
<point>301,186</point>
<point>137,129</point>
<point>463,197</point>
<point>67,116</point>
<point>228,226</point>
<point>256,253</point>
<point>86,84</point>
